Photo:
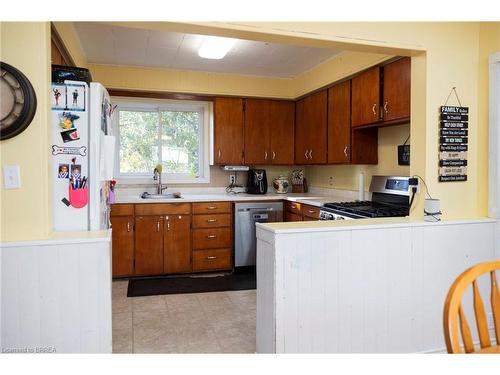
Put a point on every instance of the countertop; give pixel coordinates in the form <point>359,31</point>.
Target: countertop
<point>382,222</point>
<point>305,198</point>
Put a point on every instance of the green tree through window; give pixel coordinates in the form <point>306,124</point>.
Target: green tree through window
<point>177,132</point>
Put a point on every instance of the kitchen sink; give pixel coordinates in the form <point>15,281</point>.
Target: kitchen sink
<point>146,195</point>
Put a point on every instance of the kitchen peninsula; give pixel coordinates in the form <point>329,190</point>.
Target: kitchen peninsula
<point>370,285</point>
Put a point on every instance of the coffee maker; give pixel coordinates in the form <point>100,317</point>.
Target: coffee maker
<point>257,181</point>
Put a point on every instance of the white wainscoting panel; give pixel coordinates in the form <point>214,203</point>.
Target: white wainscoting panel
<point>57,295</point>
<point>365,290</point>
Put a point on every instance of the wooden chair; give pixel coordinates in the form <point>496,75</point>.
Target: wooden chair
<point>454,316</point>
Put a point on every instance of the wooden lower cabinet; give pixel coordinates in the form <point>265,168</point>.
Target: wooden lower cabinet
<point>123,245</point>
<point>148,245</point>
<point>163,238</point>
<point>289,216</point>
<point>212,259</point>
<point>300,212</point>
<point>177,244</point>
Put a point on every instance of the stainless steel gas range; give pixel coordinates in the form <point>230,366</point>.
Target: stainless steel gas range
<point>390,198</point>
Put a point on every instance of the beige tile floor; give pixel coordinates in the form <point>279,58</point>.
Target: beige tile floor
<point>221,322</point>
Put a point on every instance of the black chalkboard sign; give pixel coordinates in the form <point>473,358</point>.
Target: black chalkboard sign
<point>453,143</point>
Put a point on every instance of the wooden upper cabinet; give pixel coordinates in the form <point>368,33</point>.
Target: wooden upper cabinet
<point>311,129</point>
<point>148,245</point>
<point>365,104</point>
<point>123,245</point>
<point>257,131</point>
<point>282,124</point>
<point>397,87</point>
<point>269,131</point>
<point>339,123</point>
<point>228,131</point>
<point>177,244</point>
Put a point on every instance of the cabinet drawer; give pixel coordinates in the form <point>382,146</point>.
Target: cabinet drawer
<point>212,208</point>
<point>211,221</point>
<point>207,260</point>
<point>163,209</point>
<point>122,210</point>
<point>211,238</point>
<point>293,207</point>
<point>310,211</point>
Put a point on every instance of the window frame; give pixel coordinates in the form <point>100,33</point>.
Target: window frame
<point>205,135</point>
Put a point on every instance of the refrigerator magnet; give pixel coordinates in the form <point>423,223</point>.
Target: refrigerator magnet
<point>63,171</point>
<point>75,97</point>
<point>58,97</point>
<point>70,135</point>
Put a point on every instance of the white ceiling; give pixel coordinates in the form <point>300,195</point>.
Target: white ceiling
<point>106,44</point>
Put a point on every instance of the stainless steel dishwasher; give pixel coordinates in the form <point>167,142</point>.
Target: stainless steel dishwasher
<point>246,215</point>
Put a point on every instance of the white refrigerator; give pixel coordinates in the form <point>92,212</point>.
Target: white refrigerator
<point>82,156</point>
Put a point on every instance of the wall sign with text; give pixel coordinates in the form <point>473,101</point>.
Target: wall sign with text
<point>453,143</point>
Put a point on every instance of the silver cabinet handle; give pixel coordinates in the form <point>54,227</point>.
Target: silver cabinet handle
<point>211,220</point>
<point>219,153</point>
<point>211,258</point>
<point>345,151</point>
<point>305,154</point>
<point>274,155</point>
<point>128,226</point>
<point>311,211</point>
<point>168,224</point>
<point>310,154</point>
<point>374,109</point>
<point>157,226</point>
<point>211,207</point>
<point>265,155</point>
<point>386,104</point>
<point>211,236</point>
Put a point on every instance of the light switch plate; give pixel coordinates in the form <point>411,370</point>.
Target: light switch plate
<point>12,176</point>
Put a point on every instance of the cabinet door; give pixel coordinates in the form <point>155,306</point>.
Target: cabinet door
<point>282,124</point>
<point>257,130</point>
<point>123,245</point>
<point>288,216</point>
<point>397,76</point>
<point>148,245</point>
<point>366,98</point>
<point>228,131</point>
<point>177,244</point>
<point>339,123</point>
<point>311,129</point>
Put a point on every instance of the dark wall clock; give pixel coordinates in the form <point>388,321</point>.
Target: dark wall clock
<point>17,101</point>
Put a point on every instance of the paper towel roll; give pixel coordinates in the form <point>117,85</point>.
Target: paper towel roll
<point>107,157</point>
<point>361,187</point>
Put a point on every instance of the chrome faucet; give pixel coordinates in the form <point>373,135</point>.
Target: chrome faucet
<point>157,177</point>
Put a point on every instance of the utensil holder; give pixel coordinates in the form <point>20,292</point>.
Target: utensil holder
<point>78,197</point>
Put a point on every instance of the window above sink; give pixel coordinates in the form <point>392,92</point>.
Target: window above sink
<point>174,133</point>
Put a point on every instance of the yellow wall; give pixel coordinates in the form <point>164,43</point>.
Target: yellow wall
<point>26,212</point>
<point>489,43</point>
<point>171,80</point>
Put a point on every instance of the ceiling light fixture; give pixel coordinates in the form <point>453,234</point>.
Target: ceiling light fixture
<point>214,47</point>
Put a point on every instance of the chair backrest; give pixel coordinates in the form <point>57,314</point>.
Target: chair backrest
<point>454,316</point>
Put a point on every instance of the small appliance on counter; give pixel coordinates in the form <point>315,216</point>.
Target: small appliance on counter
<point>281,184</point>
<point>257,181</point>
<point>390,198</point>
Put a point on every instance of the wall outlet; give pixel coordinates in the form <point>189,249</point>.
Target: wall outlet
<point>232,179</point>
<point>415,182</point>
<point>12,176</point>
<point>330,180</point>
